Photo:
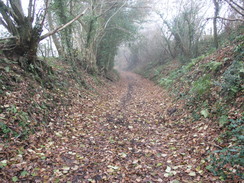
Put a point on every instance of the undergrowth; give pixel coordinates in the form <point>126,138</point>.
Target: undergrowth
<point>211,86</point>
<point>20,127</point>
<point>176,74</point>
<point>228,162</point>
<point>201,86</point>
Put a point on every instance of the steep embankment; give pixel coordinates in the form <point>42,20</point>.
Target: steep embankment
<point>211,88</point>
<point>28,103</point>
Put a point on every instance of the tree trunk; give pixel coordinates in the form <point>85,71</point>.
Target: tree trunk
<point>89,60</point>
<point>27,36</point>
<point>54,36</point>
<point>216,13</point>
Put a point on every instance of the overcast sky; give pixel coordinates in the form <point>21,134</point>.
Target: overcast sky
<point>169,8</point>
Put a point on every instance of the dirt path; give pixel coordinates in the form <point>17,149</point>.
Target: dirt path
<point>132,132</point>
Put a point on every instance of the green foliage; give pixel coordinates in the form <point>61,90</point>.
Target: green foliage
<point>228,162</point>
<point>119,29</point>
<point>166,82</point>
<point>239,38</point>
<point>20,121</point>
<point>12,109</point>
<point>206,46</point>
<point>176,74</point>
<point>235,131</point>
<point>205,113</point>
<point>235,35</point>
<point>232,80</point>
<point>55,63</point>
<point>15,179</point>
<point>223,120</point>
<point>88,18</point>
<point>7,69</point>
<point>192,63</point>
<point>24,173</point>
<point>212,66</point>
<point>201,86</point>
<point>196,116</point>
<point>5,130</point>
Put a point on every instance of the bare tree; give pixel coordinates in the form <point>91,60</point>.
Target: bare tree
<point>26,29</point>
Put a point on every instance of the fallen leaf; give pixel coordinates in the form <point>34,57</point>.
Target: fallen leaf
<point>168,169</point>
<point>205,113</point>
<point>192,174</point>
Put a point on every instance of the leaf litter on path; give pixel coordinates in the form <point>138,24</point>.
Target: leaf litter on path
<point>126,133</point>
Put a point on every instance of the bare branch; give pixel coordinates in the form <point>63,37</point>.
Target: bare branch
<point>82,23</point>
<point>122,29</point>
<point>3,23</point>
<point>34,9</point>
<point>4,10</point>
<point>239,6</point>
<point>18,15</point>
<point>8,38</point>
<point>106,10</point>
<point>139,7</point>
<point>45,12</point>
<point>62,26</point>
<point>228,19</point>
<point>114,14</point>
<point>30,9</point>
<point>85,26</point>
<point>233,7</point>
